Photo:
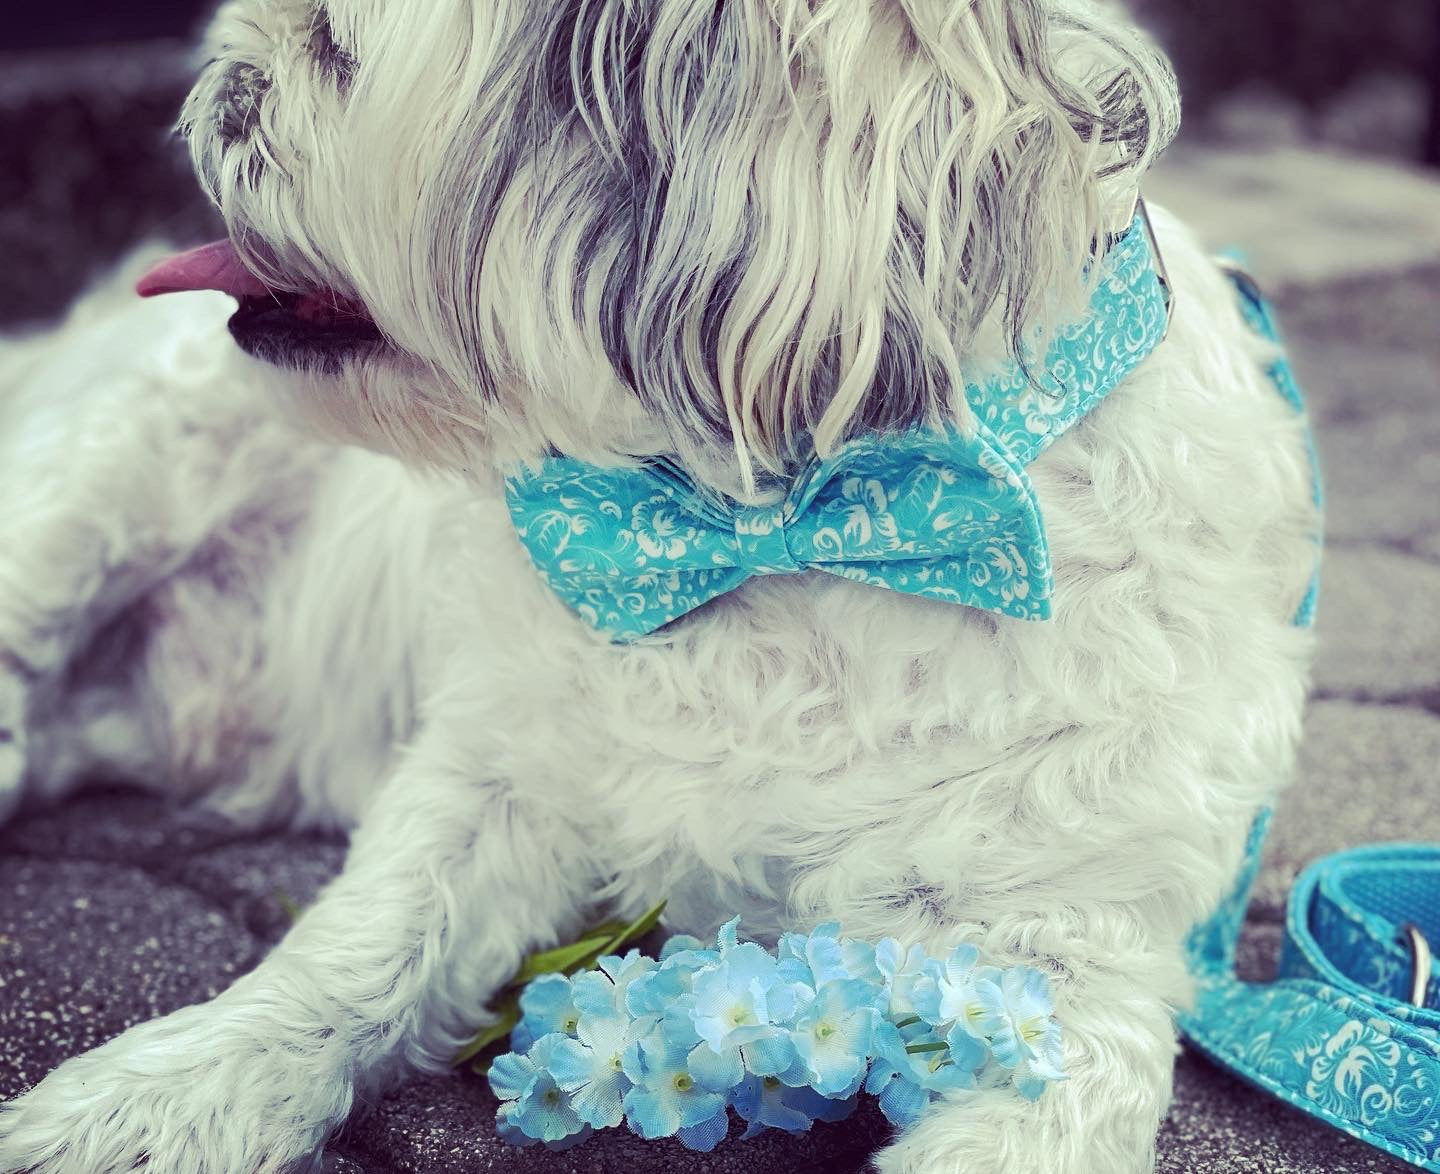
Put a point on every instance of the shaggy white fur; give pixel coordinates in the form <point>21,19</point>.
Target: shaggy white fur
<point>723,232</point>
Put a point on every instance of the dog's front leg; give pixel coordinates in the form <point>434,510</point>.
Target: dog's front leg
<point>451,879</point>
<point>1119,1054</point>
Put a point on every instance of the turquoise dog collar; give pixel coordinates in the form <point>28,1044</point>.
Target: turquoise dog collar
<point>944,514</point>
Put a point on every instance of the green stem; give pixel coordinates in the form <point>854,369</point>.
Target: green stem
<point>910,1022</point>
<point>919,1049</point>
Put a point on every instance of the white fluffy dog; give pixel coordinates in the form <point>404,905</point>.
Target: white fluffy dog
<point>282,575</point>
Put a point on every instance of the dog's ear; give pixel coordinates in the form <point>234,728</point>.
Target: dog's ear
<point>783,222</point>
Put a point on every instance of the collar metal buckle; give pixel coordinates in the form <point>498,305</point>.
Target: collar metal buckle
<point>1162,275</point>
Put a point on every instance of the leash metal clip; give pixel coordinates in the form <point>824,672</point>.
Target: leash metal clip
<point>1421,962</point>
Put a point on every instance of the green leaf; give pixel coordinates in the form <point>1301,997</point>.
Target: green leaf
<point>636,930</point>
<point>507,1015</point>
<point>609,937</point>
<point>561,960</point>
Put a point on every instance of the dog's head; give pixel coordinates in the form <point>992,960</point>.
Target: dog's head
<point>737,230</point>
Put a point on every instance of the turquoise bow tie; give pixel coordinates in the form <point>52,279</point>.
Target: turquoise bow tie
<point>945,514</point>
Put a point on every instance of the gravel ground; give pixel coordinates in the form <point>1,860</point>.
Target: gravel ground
<point>114,908</point>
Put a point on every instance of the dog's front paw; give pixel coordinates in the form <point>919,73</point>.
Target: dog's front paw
<point>997,1132</point>
<point>952,1140</point>
<point>194,1093</point>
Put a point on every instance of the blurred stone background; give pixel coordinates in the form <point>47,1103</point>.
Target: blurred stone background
<point>89,90</point>
<point>1308,128</point>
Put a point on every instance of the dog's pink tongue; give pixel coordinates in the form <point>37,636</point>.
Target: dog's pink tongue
<point>212,266</point>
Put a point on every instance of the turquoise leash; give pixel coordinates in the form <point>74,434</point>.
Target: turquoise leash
<point>1349,1031</point>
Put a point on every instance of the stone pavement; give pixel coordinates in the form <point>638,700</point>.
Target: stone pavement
<point>1304,216</point>
<point>114,909</point>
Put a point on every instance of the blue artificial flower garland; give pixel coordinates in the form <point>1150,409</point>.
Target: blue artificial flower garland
<point>669,1047</point>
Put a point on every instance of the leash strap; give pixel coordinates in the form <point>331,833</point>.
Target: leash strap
<point>1336,1034</point>
<point>1349,1032</point>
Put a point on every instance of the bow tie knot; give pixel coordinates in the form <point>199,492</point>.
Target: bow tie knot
<point>760,540</point>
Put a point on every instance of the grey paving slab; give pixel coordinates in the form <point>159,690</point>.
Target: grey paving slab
<point>1258,953</point>
<point>446,1126</point>
<point>1382,476</point>
<point>115,825</point>
<point>1347,380</point>
<point>1304,216</point>
<point>258,881</point>
<point>1394,309</point>
<point>1379,624</point>
<point>1366,773</point>
<point>1428,546</point>
<point>1217,1124</point>
<point>1220,1125</point>
<point>89,948</point>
